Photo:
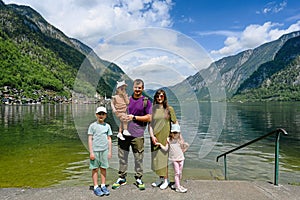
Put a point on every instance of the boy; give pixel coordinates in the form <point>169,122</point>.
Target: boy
<point>99,142</point>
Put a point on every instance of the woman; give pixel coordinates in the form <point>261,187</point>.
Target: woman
<point>162,117</point>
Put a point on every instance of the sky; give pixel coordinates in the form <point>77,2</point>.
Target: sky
<point>165,41</point>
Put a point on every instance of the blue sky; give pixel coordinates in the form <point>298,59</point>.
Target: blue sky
<point>186,35</point>
<point>212,22</point>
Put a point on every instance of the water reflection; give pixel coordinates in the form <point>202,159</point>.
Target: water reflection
<point>246,122</point>
<point>55,136</point>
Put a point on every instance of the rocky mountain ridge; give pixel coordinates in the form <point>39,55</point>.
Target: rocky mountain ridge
<point>234,71</point>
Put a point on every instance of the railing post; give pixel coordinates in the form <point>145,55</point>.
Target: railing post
<point>278,131</point>
<point>225,167</point>
<point>276,158</point>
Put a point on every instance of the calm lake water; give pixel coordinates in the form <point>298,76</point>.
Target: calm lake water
<point>45,145</point>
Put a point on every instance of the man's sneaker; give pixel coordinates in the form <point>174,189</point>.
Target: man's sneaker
<point>105,190</point>
<point>140,184</point>
<point>126,132</point>
<point>164,185</point>
<point>98,192</point>
<point>120,136</point>
<point>158,182</point>
<point>118,183</point>
<point>181,189</point>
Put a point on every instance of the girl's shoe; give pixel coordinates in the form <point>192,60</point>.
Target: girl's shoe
<point>120,136</point>
<point>181,189</point>
<point>126,132</point>
<point>158,182</point>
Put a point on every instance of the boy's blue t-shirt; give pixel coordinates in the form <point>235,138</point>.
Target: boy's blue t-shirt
<point>100,133</point>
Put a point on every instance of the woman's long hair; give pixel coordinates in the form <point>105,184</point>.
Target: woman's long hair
<point>165,103</point>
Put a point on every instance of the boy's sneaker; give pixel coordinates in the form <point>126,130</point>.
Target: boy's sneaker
<point>120,136</point>
<point>158,182</point>
<point>126,132</point>
<point>140,184</point>
<point>118,183</point>
<point>98,192</point>
<point>105,190</point>
<point>181,189</point>
<point>164,185</point>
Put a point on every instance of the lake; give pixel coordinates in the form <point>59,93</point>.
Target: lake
<point>45,145</point>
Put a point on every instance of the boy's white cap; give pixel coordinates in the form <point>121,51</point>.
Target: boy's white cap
<point>119,84</point>
<point>175,128</point>
<point>101,109</point>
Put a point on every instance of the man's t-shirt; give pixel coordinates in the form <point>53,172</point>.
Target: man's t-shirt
<point>136,107</point>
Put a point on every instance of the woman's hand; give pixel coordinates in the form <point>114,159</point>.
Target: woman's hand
<point>154,140</point>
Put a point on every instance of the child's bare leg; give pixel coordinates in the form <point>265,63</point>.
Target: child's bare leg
<point>103,176</point>
<point>120,130</point>
<point>95,176</point>
<point>125,131</point>
<point>125,127</point>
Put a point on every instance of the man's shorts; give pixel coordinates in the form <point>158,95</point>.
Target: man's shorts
<point>101,160</point>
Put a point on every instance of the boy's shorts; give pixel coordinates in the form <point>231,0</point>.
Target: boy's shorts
<point>101,160</point>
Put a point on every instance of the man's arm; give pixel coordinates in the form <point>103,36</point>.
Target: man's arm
<point>145,118</point>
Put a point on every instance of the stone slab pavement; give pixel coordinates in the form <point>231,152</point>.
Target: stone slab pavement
<point>197,189</point>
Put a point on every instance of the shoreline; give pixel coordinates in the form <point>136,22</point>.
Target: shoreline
<point>197,189</point>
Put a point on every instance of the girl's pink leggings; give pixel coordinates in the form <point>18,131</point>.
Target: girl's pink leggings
<point>178,166</point>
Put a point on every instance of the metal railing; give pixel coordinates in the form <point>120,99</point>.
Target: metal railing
<point>277,132</point>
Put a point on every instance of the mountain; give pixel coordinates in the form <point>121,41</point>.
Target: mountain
<point>278,79</point>
<point>38,60</point>
<point>245,71</point>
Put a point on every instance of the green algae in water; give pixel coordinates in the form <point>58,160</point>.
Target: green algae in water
<point>36,151</point>
<point>39,165</point>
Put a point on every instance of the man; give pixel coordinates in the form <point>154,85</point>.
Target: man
<point>139,114</point>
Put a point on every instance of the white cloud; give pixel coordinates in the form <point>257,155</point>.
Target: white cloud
<point>273,7</point>
<point>159,55</point>
<point>107,26</point>
<point>91,21</point>
<point>253,36</point>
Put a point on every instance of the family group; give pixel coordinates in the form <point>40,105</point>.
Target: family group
<point>136,113</point>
